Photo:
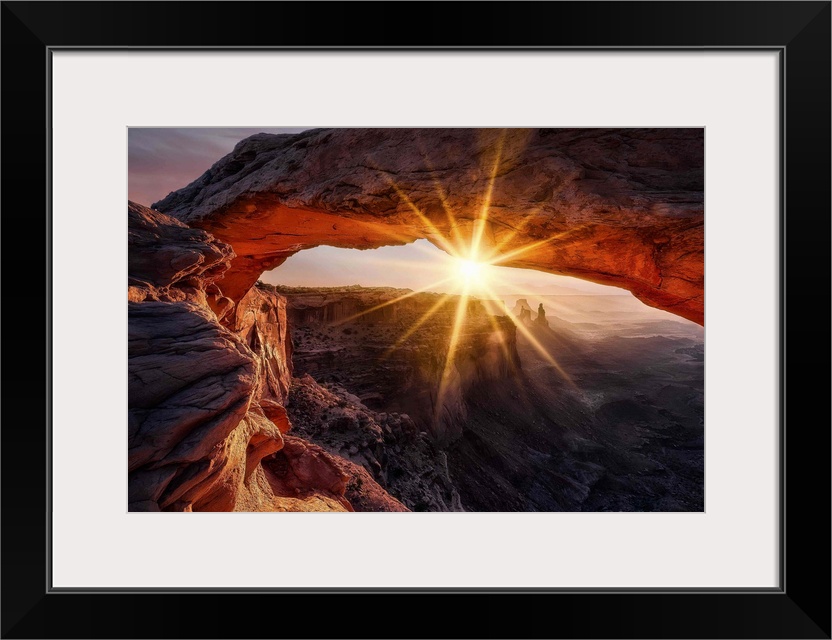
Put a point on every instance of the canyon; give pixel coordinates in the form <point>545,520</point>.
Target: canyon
<point>249,397</point>
<point>382,344</point>
<point>615,423</point>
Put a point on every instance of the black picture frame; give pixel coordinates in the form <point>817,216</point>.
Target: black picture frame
<point>799,31</point>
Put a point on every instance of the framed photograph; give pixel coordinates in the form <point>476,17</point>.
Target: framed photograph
<point>480,302</point>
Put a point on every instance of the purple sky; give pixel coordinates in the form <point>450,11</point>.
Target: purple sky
<point>162,160</point>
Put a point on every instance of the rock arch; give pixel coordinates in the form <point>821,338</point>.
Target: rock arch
<point>209,361</point>
<point>622,207</point>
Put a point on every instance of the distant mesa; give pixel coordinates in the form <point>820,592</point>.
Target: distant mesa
<point>520,306</point>
<point>541,317</point>
<point>494,306</point>
<point>523,311</point>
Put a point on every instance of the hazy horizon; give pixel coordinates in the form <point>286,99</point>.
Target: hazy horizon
<point>415,266</point>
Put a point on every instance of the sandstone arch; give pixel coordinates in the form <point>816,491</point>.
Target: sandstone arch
<point>209,355</point>
<point>623,207</point>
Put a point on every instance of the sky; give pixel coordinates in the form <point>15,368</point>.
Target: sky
<point>414,266</point>
<point>162,160</point>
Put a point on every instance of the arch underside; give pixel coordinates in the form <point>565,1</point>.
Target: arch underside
<point>621,207</point>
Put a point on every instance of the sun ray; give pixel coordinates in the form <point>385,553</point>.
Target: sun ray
<point>542,350</point>
<point>435,233</point>
<point>499,329</point>
<point>520,251</point>
<point>535,343</point>
<point>392,301</point>
<point>513,233</point>
<point>427,315</point>
<point>522,389</point>
<point>459,319</point>
<point>528,216</point>
<point>453,230</point>
<point>453,224</point>
<point>482,219</point>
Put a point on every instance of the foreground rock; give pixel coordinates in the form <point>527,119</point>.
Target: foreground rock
<point>261,322</point>
<point>385,452</point>
<point>169,261</point>
<point>616,206</point>
<point>191,383</point>
<point>207,386</point>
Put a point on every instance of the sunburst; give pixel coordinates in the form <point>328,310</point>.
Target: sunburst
<point>471,270</point>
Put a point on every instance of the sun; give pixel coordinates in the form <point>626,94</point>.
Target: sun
<point>470,274</point>
<point>469,270</point>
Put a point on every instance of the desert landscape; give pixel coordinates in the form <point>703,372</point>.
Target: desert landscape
<point>540,347</point>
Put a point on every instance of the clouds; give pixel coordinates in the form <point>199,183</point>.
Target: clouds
<point>161,160</point>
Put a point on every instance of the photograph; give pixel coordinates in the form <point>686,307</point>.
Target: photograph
<point>416,320</point>
<point>452,267</point>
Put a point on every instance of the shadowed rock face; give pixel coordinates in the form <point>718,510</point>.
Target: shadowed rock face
<point>195,431</point>
<point>389,345</point>
<point>168,261</point>
<point>615,424</point>
<point>616,206</point>
<point>374,449</point>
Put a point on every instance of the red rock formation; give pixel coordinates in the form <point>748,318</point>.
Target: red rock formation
<point>540,320</point>
<point>168,261</point>
<point>616,206</point>
<point>190,384</point>
<point>205,402</point>
<point>363,492</point>
<point>209,358</point>
<point>191,380</point>
<point>260,320</point>
<point>301,468</point>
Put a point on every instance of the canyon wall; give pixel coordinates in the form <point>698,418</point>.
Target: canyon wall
<point>622,207</point>
<point>391,346</point>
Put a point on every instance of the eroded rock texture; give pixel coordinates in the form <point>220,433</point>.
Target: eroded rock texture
<point>381,450</point>
<point>260,320</point>
<point>208,381</point>
<point>616,206</point>
<point>169,261</point>
<point>191,383</point>
<point>210,358</point>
